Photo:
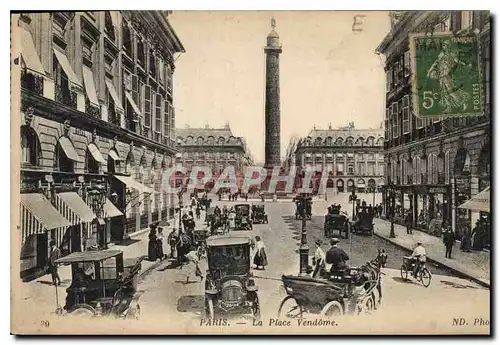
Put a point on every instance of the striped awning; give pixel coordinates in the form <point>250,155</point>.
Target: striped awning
<point>38,215</point>
<point>131,183</point>
<point>110,210</point>
<point>479,203</point>
<point>94,151</point>
<point>66,66</point>
<point>29,53</point>
<point>114,155</point>
<point>69,149</point>
<point>73,208</point>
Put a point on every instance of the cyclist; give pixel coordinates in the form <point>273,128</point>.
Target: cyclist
<point>419,257</point>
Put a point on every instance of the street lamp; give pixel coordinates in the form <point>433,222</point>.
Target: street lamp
<point>353,197</point>
<point>304,248</point>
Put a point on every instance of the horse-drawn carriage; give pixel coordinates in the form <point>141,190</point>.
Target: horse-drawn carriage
<point>336,220</point>
<point>259,215</point>
<point>229,287</point>
<point>363,221</point>
<point>353,291</point>
<point>242,219</point>
<point>101,284</point>
<point>303,206</point>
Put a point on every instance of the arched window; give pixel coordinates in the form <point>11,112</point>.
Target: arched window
<point>91,165</point>
<point>349,141</point>
<point>63,162</point>
<point>339,141</point>
<point>370,141</point>
<point>360,141</point>
<point>318,141</point>
<point>30,146</point>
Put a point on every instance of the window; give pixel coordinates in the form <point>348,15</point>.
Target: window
<point>340,169</point>
<point>166,119</point>
<point>396,72</point>
<point>161,71</point>
<point>64,163</point>
<point>141,57</point>
<point>419,122</point>
<point>381,169</point>
<point>361,169</point>
<point>147,106</point>
<point>350,169</point>
<point>407,63</point>
<point>63,92</point>
<point>29,146</point>
<point>159,102</point>
<point>406,115</point>
<point>169,77</point>
<point>108,26</point>
<point>388,76</point>
<point>127,38</point>
<point>172,122</point>
<point>395,122</point>
<point>371,169</point>
<point>91,165</point>
<point>387,129</point>
<point>152,63</point>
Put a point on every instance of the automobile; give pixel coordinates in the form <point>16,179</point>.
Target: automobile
<point>336,221</point>
<point>242,219</point>
<point>259,215</point>
<point>229,286</point>
<point>101,284</point>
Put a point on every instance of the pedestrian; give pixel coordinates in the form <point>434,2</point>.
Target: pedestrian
<point>260,259</point>
<point>318,259</point>
<point>172,242</point>
<point>449,241</point>
<point>409,222</point>
<point>152,244</point>
<point>55,253</point>
<point>192,265</point>
<point>160,238</point>
<point>466,241</point>
<point>198,211</point>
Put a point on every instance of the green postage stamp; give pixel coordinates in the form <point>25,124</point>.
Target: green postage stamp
<point>447,79</point>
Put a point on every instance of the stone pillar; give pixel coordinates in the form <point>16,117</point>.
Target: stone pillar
<point>272,103</point>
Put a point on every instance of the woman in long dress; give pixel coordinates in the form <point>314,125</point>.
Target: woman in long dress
<point>260,259</point>
<point>152,245</point>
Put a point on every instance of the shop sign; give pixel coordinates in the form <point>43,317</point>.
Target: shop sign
<point>438,190</point>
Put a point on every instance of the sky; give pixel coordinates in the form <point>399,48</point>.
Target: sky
<point>328,72</point>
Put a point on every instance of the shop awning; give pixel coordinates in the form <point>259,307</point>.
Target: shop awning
<point>29,53</point>
<point>479,202</point>
<point>114,95</point>
<point>73,208</point>
<point>132,103</point>
<point>114,155</point>
<point>130,182</point>
<point>94,151</point>
<point>110,210</point>
<point>69,149</point>
<point>88,80</point>
<point>66,66</point>
<point>42,211</point>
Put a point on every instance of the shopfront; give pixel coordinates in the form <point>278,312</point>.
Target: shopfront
<point>340,185</point>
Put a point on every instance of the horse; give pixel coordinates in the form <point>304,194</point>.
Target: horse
<point>372,272</point>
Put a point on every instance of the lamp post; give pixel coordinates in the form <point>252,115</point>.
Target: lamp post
<point>304,248</point>
<point>353,197</point>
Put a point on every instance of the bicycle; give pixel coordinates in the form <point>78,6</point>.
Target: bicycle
<point>423,274</point>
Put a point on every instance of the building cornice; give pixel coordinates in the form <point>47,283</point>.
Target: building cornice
<point>58,112</point>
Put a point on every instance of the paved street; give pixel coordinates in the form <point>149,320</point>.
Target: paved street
<point>165,295</point>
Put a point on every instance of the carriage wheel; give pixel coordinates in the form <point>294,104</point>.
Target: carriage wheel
<point>332,309</point>
<point>209,308</point>
<point>291,310</point>
<point>404,272</point>
<point>425,277</point>
<point>82,310</point>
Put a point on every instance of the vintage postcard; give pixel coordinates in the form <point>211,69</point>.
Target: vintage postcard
<point>251,172</point>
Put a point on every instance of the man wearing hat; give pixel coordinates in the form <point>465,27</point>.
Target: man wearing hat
<point>336,256</point>
<point>318,259</point>
<point>419,256</point>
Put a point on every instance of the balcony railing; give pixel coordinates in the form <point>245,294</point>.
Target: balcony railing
<point>32,82</point>
<point>65,96</point>
<point>113,116</point>
<point>92,109</point>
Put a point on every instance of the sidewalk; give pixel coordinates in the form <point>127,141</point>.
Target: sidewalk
<point>474,265</point>
<point>39,294</point>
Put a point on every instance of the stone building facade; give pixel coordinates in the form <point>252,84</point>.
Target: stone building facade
<point>216,148</point>
<point>97,126</point>
<point>434,165</point>
<point>352,156</point>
